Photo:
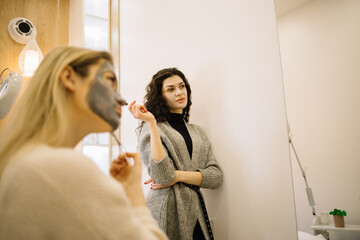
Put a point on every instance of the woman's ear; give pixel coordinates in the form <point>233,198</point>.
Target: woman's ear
<point>67,77</point>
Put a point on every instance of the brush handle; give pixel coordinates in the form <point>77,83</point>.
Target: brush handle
<point>122,149</point>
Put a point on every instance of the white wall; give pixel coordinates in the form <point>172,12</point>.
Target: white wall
<point>229,52</point>
<point>320,51</point>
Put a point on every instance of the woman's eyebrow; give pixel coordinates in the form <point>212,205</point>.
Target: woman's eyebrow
<point>107,67</point>
<point>167,86</point>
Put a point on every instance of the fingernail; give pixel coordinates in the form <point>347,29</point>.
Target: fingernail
<point>151,188</point>
<point>144,182</point>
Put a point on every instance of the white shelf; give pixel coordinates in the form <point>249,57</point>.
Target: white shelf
<point>347,228</point>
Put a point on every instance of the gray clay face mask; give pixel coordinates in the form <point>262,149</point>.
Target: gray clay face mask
<point>102,99</point>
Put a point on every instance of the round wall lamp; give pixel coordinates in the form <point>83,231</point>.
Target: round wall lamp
<point>23,31</point>
<point>20,29</point>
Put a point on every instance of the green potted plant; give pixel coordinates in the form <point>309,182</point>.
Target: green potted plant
<point>338,217</point>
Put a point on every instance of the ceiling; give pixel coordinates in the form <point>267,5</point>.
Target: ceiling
<point>285,6</point>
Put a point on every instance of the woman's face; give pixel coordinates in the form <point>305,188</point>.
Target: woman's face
<point>175,93</point>
<point>101,97</point>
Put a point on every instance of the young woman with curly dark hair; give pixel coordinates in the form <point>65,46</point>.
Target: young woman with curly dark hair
<point>177,155</point>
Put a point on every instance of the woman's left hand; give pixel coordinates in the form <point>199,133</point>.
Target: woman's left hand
<point>155,186</point>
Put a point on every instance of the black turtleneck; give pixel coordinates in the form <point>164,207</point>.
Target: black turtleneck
<point>177,122</point>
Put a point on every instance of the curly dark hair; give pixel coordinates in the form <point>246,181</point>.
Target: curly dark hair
<point>155,102</point>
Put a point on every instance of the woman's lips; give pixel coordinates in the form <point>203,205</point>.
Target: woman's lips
<point>181,100</point>
<point>118,110</point>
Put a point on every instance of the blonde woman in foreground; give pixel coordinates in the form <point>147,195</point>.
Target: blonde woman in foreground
<point>50,191</point>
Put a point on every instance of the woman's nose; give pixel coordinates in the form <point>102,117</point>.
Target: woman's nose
<point>178,91</point>
<point>120,100</point>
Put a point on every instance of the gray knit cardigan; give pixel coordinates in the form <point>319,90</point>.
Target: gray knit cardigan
<point>178,207</point>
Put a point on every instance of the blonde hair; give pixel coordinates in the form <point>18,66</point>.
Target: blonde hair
<point>40,116</point>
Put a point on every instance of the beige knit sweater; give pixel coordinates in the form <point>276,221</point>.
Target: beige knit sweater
<point>57,193</point>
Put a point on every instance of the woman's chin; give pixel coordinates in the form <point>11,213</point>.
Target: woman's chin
<point>104,127</point>
<point>108,125</point>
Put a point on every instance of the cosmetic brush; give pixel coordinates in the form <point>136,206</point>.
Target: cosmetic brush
<point>122,149</point>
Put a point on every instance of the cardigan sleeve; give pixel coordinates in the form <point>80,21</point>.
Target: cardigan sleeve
<point>163,171</point>
<point>212,174</point>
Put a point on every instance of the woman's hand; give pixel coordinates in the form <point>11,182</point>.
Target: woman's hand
<point>140,112</point>
<point>130,177</point>
<point>124,172</point>
<point>155,186</point>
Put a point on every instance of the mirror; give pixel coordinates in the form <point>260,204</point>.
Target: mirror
<point>320,54</point>
<point>229,53</point>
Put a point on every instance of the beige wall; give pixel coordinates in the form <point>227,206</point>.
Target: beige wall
<point>320,51</point>
<point>229,52</point>
<point>51,19</point>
